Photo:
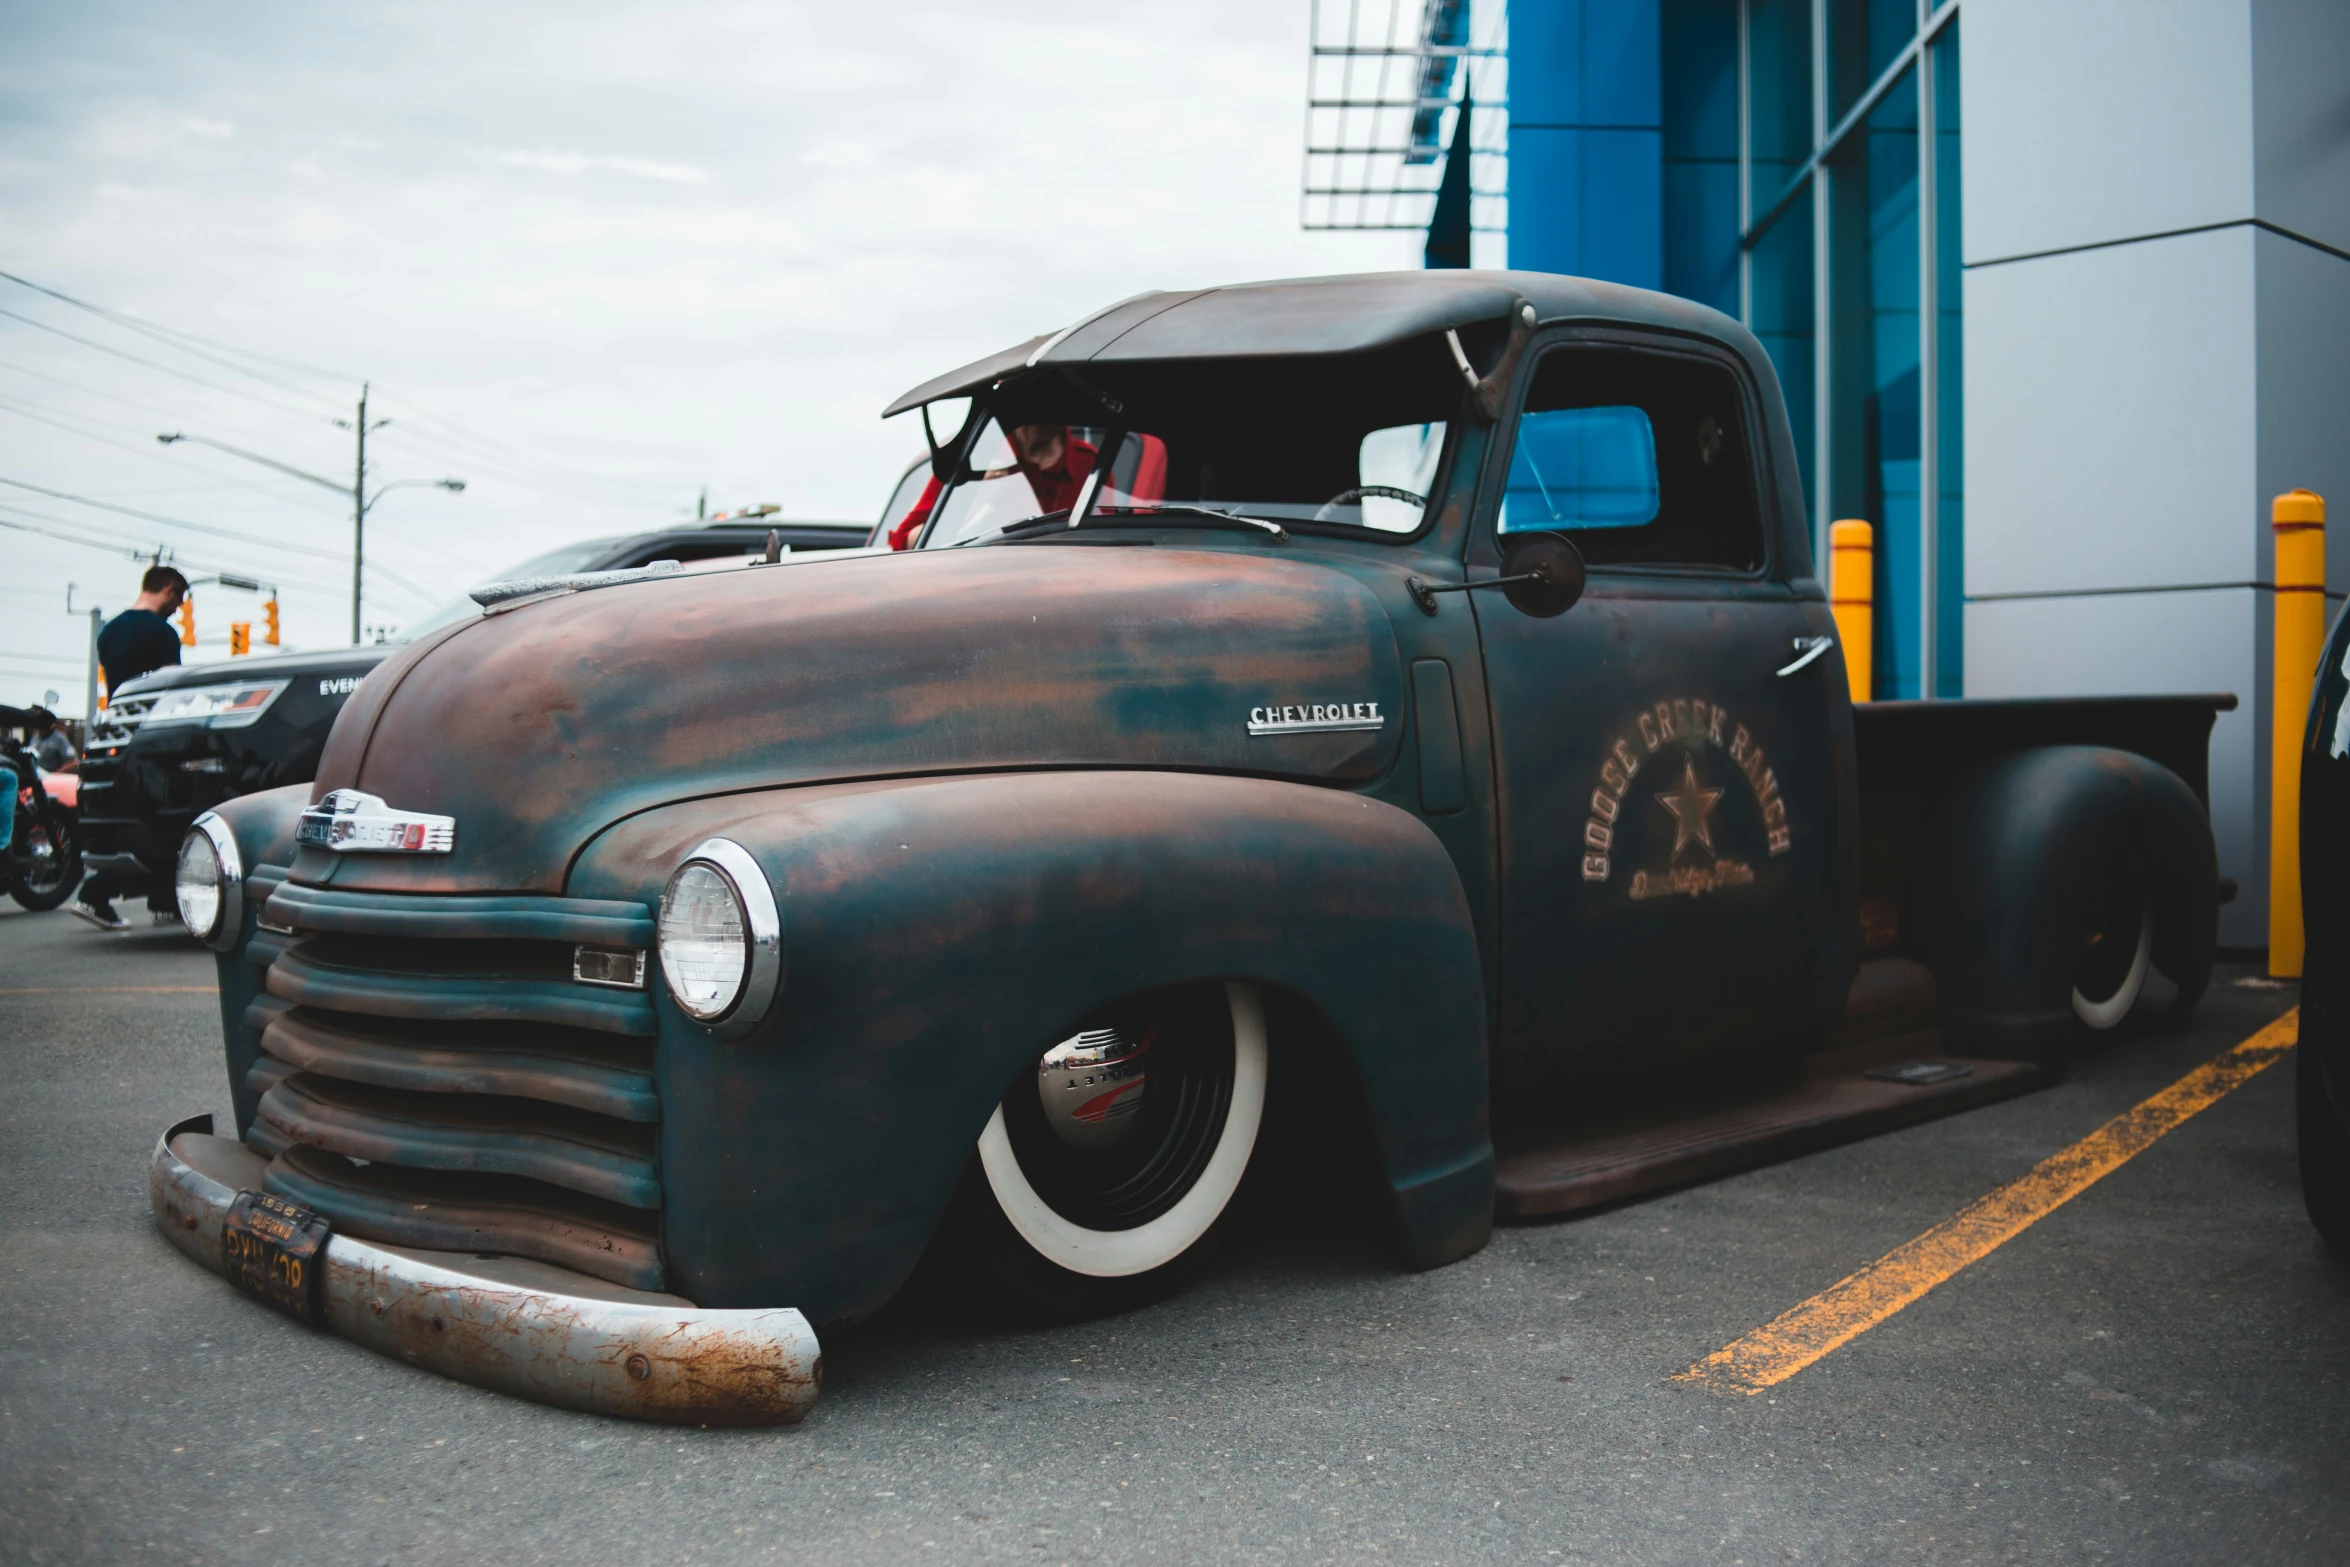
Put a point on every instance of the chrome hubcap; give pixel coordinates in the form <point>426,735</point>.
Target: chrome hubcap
<point>1092,1084</point>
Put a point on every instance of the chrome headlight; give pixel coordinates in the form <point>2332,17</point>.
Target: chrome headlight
<point>721,938</point>
<point>210,883</point>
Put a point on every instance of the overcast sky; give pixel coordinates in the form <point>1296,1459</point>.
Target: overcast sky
<point>594,258</point>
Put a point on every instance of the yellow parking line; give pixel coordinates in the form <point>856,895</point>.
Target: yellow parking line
<point>1843,1312</point>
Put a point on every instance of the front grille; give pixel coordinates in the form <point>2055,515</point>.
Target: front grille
<point>431,1075</point>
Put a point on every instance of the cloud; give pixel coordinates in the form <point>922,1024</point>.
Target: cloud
<point>818,207</point>
<point>581,163</point>
<point>218,130</point>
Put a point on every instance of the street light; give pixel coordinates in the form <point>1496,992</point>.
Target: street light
<point>361,502</point>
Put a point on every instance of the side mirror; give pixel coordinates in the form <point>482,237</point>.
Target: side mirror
<point>1542,574</point>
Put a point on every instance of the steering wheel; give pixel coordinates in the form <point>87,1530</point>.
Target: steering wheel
<point>1361,492</point>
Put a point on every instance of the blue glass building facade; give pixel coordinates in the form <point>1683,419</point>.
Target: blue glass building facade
<point>1794,163</point>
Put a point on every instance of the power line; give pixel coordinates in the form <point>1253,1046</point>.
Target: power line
<point>140,551</point>
<point>9,405</point>
<point>200,527</point>
<point>173,370</point>
<point>502,462</point>
<point>156,329</point>
<point>90,391</point>
<point>471,445</point>
<point>156,409</point>
<point>175,522</point>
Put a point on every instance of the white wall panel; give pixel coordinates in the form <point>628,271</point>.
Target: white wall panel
<point>2139,644</point>
<point>2089,121</point>
<point>2301,116</point>
<point>2304,297</point>
<point>2111,417</point>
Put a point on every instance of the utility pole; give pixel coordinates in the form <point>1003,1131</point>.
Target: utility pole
<point>90,708</point>
<point>359,513</point>
<point>361,502</point>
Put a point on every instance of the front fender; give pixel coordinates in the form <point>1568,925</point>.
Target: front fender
<point>938,934</point>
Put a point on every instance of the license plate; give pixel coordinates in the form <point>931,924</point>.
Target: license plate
<point>275,1251</point>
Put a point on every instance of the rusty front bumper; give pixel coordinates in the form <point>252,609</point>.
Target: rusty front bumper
<point>520,1327</point>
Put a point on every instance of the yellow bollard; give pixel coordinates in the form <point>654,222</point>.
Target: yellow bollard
<point>2299,518</point>
<point>1852,579</point>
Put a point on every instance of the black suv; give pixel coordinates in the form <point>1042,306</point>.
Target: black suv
<point>173,744</point>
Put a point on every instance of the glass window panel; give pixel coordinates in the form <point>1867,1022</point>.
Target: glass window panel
<point>1950,437</point>
<point>1873,406</point>
<point>1779,284</point>
<point>1700,78</point>
<point>1778,102</point>
<point>1864,39</point>
<point>1639,457</point>
<point>1582,468</point>
<point>1401,460</point>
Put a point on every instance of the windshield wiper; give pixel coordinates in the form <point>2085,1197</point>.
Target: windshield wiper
<point>1059,517</point>
<point>1140,516</point>
<point>1133,517</point>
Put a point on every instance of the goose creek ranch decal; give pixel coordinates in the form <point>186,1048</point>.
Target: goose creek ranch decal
<point>1667,742</point>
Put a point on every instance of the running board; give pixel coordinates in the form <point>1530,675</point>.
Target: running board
<point>1881,1071</point>
<point>1819,1114</point>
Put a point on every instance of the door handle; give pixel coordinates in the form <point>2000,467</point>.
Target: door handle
<point>1808,649</point>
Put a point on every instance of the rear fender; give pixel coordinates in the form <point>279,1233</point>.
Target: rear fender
<point>938,934</point>
<point>2023,848</point>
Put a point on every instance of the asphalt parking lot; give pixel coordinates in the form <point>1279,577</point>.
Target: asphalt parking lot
<point>2158,1371</point>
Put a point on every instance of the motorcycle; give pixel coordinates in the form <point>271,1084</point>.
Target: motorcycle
<point>43,862</point>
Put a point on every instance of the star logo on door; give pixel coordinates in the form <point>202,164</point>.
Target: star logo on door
<point>1692,809</point>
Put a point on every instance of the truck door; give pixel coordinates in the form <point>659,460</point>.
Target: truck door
<point>1668,795</point>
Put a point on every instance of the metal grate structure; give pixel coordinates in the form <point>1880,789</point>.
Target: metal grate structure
<point>1385,85</point>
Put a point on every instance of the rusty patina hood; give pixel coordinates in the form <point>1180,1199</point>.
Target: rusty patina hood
<point>538,726</point>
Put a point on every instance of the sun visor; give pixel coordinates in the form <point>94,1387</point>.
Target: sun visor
<point>1301,317</point>
<point>1309,316</point>
<point>978,374</point>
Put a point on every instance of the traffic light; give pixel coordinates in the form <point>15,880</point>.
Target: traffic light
<point>240,638</point>
<point>188,621</point>
<point>269,620</point>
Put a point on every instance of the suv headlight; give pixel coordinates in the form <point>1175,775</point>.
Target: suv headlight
<point>721,938</point>
<point>219,707</point>
<point>210,883</point>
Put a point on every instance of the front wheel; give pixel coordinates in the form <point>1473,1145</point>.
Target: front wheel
<point>45,866</point>
<point>1110,1170</point>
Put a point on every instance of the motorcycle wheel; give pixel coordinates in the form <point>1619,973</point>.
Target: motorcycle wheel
<point>45,866</point>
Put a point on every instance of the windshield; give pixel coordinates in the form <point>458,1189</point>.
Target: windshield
<point>1343,443</point>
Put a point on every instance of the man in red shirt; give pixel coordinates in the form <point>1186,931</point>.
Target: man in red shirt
<point>1055,462</point>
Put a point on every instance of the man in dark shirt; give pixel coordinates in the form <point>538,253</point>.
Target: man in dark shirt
<point>136,642</point>
<point>140,639</point>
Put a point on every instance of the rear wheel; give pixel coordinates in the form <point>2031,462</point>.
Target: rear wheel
<point>2115,956</point>
<point>1110,1170</point>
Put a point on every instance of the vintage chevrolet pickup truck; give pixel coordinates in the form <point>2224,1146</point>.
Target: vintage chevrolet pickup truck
<point>1374,700</point>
